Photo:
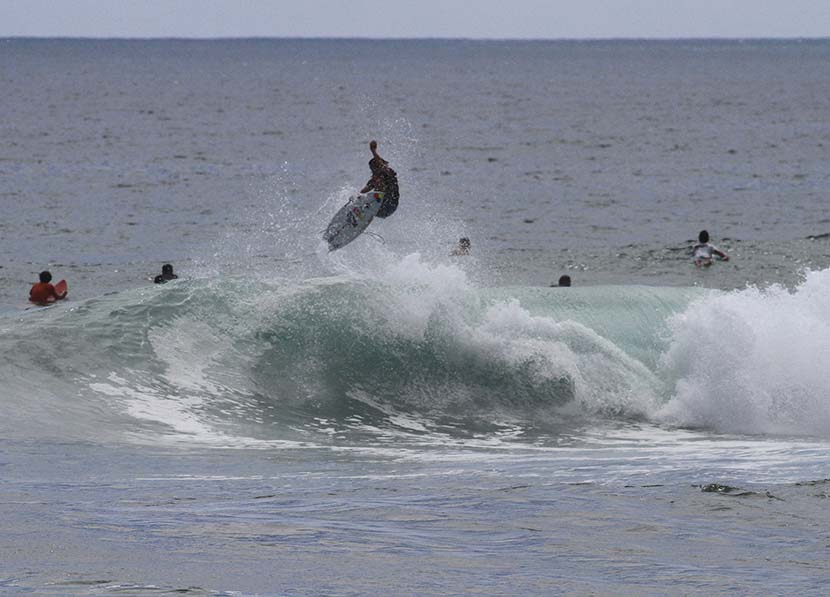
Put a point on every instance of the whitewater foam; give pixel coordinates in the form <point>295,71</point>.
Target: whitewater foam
<point>753,361</point>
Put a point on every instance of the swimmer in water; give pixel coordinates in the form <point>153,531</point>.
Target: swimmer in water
<point>43,292</point>
<point>703,251</point>
<point>463,247</point>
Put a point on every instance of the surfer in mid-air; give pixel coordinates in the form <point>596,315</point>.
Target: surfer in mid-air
<point>384,180</point>
<point>378,198</point>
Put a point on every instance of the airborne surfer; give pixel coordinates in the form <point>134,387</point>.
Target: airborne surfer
<point>384,180</point>
<point>378,198</point>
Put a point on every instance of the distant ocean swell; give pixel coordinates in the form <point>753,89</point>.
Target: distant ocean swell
<point>414,350</point>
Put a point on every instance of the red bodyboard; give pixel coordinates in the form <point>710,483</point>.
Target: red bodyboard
<point>60,289</point>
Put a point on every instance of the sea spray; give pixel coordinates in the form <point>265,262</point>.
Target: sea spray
<point>753,361</point>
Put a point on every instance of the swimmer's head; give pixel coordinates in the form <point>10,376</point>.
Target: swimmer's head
<point>703,236</point>
<point>45,277</point>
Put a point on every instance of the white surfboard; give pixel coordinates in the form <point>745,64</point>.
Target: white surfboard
<point>352,219</point>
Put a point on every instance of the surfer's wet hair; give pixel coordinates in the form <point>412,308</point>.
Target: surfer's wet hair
<point>45,276</point>
<point>703,236</point>
<point>167,268</point>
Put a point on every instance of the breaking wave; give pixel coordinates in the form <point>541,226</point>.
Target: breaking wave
<point>413,350</point>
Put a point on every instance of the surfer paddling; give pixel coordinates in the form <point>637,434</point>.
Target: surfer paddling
<point>703,251</point>
<point>384,180</point>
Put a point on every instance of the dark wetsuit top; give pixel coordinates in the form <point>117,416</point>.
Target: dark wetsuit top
<point>384,179</point>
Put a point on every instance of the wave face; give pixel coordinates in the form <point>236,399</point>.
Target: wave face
<point>414,351</point>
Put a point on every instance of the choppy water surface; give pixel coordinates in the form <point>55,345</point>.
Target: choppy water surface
<point>387,418</point>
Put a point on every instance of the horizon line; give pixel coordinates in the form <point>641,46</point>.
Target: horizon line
<point>425,38</point>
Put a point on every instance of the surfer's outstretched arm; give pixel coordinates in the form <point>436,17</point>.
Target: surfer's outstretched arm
<point>375,166</point>
<point>376,159</point>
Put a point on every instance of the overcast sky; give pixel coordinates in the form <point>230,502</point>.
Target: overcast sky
<point>547,19</point>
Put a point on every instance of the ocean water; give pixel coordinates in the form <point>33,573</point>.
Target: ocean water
<point>388,419</point>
